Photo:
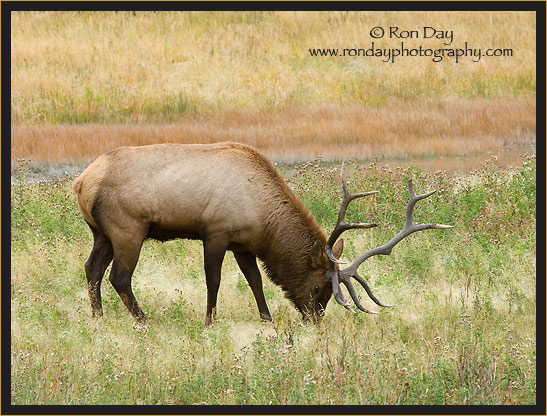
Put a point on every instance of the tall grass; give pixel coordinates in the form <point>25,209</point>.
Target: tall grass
<point>430,129</point>
<point>462,330</point>
<point>145,67</point>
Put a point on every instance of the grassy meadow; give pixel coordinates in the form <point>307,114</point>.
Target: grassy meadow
<point>120,67</point>
<point>404,130</point>
<point>462,330</point>
<point>86,82</point>
<point>463,327</point>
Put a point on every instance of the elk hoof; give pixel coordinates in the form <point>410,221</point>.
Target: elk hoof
<point>266,317</point>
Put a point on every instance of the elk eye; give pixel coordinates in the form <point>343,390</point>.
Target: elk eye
<point>316,289</point>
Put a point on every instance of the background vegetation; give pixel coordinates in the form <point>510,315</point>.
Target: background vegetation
<point>81,67</point>
<point>462,330</point>
<point>249,76</point>
<point>404,130</point>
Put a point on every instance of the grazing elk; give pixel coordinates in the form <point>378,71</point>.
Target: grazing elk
<point>232,198</point>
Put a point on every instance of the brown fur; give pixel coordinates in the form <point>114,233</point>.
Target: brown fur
<point>226,194</point>
<point>290,231</point>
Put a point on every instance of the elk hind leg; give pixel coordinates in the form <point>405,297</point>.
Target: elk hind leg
<point>247,264</point>
<point>126,255</point>
<point>95,266</point>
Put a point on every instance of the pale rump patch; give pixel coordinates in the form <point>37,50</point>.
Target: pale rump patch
<point>87,185</point>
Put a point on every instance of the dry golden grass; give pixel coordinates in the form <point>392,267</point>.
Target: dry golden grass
<point>79,67</point>
<point>428,128</point>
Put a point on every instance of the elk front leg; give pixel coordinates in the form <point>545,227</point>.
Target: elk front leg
<point>213,255</point>
<point>247,264</point>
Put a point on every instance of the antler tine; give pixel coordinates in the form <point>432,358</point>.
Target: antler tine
<point>386,249</point>
<point>355,298</point>
<point>341,224</point>
<point>338,296</point>
<point>369,292</point>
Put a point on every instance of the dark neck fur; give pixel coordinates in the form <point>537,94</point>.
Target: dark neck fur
<point>286,249</point>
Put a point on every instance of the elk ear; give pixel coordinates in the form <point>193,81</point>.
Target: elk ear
<point>317,255</point>
<point>338,248</point>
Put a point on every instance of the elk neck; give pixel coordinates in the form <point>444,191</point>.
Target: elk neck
<point>290,232</point>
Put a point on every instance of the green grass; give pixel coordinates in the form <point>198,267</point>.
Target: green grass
<point>462,330</point>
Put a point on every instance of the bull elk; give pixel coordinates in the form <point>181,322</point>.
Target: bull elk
<point>232,198</point>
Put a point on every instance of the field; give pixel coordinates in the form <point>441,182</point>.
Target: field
<point>403,130</point>
<point>463,328</point>
<point>79,89</point>
<point>81,67</point>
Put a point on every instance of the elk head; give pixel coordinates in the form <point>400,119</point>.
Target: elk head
<point>334,249</point>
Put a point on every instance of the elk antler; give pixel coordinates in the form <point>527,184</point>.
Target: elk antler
<point>351,271</point>
<point>341,224</point>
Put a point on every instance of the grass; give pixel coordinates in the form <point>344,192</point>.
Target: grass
<point>462,330</point>
<point>144,67</point>
<point>424,129</point>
